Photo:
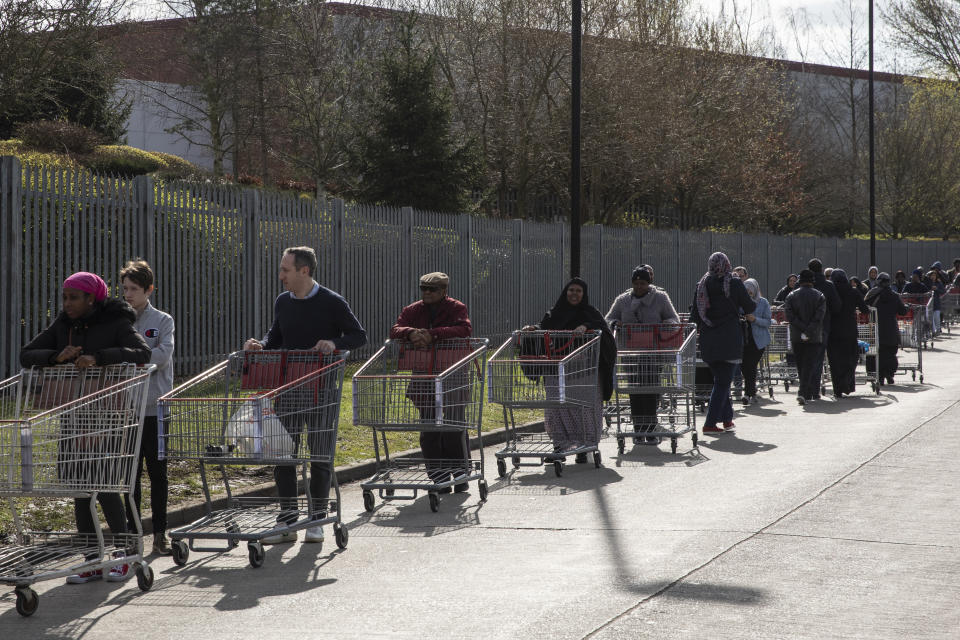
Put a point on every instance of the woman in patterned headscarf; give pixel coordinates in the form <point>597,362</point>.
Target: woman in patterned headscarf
<point>716,309</point>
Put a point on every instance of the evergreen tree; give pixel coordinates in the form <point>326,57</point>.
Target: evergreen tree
<point>412,158</point>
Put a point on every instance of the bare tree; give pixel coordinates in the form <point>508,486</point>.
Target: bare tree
<point>930,29</point>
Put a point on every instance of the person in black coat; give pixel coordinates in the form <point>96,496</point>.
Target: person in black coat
<point>577,427</point>
<point>91,330</point>
<point>805,310</point>
<point>716,311</point>
<point>824,286</point>
<point>889,306</point>
<point>843,348</point>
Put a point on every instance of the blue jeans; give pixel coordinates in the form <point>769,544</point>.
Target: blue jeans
<point>720,408</point>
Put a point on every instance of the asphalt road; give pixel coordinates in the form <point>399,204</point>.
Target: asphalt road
<point>834,520</point>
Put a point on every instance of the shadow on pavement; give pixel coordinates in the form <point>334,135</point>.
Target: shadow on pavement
<point>414,518</point>
<point>575,478</point>
<point>848,403</point>
<point>739,446</point>
<point>224,581</point>
<point>647,456</point>
<point>627,574</point>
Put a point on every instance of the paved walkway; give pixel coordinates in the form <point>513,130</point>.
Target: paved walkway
<point>838,519</point>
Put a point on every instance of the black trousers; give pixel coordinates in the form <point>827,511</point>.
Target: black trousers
<point>643,411</point>
<point>157,472</point>
<point>448,446</point>
<point>297,415</point>
<point>843,357</point>
<point>807,357</point>
<point>751,358</point>
<point>112,505</point>
<point>888,361</point>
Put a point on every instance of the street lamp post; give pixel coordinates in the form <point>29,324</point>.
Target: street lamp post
<point>873,181</point>
<point>575,83</point>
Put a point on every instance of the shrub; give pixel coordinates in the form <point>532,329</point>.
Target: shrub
<point>122,161</point>
<point>59,136</point>
<point>300,186</point>
<point>176,167</point>
<point>31,158</point>
<point>249,180</point>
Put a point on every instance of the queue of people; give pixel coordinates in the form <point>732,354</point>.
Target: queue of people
<point>733,321</point>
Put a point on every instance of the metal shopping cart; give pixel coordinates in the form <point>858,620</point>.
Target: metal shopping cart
<point>920,314</point>
<point>437,389</point>
<point>911,325</point>
<point>70,433</point>
<point>950,314</point>
<point>703,377</point>
<point>265,408</point>
<point>778,356</point>
<point>555,371</point>
<point>656,362</point>
<point>867,332</point>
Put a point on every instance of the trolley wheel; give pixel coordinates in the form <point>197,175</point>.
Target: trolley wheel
<point>558,467</point>
<point>770,391</point>
<point>144,577</point>
<point>694,437</point>
<point>388,493</point>
<point>621,446</point>
<point>597,459</point>
<point>673,445</point>
<point>786,387</point>
<point>516,462</point>
<point>341,535</point>
<point>876,388</point>
<point>27,601</point>
<point>501,467</point>
<point>913,375</point>
<point>180,552</point>
<point>233,528</point>
<point>255,554</point>
<point>434,502</point>
<point>368,501</point>
<point>921,378</point>
<point>483,490</point>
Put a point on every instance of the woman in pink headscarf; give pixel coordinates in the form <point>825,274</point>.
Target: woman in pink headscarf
<point>91,330</point>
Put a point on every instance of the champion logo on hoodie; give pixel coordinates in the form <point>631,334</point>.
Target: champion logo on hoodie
<point>151,333</point>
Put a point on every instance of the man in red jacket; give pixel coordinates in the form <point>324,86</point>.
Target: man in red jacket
<point>436,317</point>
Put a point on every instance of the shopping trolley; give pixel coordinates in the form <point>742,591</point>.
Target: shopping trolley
<point>911,326</point>
<point>656,360</point>
<point>555,371</point>
<point>67,432</point>
<point>433,389</point>
<point>918,303</point>
<point>950,313</point>
<point>703,377</point>
<point>257,407</point>
<point>778,357</point>
<point>867,332</point>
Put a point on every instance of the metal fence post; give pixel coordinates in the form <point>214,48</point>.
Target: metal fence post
<point>407,214</point>
<point>518,270</point>
<point>337,211</point>
<point>11,242</point>
<point>250,217</point>
<point>145,214</point>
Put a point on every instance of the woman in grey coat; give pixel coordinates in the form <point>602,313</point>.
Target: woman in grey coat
<point>643,304</point>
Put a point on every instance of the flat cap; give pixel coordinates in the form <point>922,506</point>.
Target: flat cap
<point>436,278</point>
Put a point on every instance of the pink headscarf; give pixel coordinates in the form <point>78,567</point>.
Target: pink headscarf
<point>89,283</point>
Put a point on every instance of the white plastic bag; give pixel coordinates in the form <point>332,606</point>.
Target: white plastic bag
<point>267,437</point>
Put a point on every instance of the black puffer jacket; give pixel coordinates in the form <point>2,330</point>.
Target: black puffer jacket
<point>106,332</point>
<point>805,308</point>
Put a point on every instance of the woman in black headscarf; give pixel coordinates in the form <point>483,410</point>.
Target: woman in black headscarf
<point>889,306</point>
<point>576,427</point>
<point>843,349</point>
<point>787,289</point>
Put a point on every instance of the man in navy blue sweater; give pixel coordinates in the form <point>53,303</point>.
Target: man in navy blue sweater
<point>307,316</point>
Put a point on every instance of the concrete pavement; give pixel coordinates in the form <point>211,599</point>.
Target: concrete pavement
<point>838,519</point>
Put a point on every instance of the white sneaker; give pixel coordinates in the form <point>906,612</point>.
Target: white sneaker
<point>280,538</point>
<point>314,534</point>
